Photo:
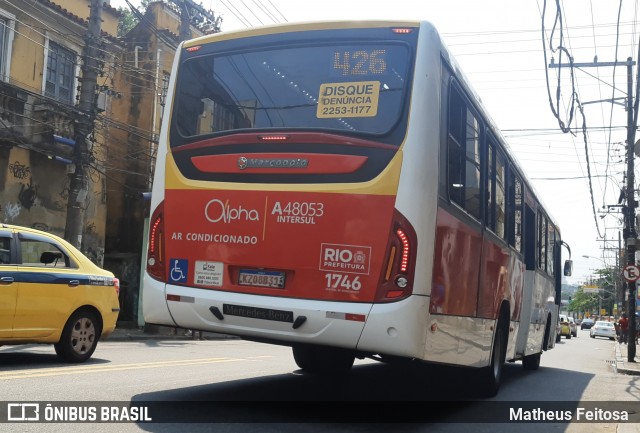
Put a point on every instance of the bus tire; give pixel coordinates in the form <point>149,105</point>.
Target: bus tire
<point>531,362</point>
<point>489,377</point>
<point>323,359</point>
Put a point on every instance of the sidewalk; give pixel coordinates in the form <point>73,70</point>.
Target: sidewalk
<point>621,362</point>
<point>128,332</point>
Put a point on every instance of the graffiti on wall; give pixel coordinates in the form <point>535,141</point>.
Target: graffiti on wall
<point>11,211</point>
<point>28,194</point>
<point>41,226</point>
<point>19,170</point>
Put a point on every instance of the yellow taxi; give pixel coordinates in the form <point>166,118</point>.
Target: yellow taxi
<point>564,328</point>
<point>51,293</point>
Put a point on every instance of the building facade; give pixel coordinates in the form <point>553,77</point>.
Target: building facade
<point>41,47</point>
<point>41,55</point>
<point>141,80</point>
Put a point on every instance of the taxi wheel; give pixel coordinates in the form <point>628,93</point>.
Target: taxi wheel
<point>79,337</point>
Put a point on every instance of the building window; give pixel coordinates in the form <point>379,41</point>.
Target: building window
<point>61,63</point>
<point>7,23</point>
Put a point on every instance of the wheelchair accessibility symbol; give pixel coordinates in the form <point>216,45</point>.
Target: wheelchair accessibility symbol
<point>178,272</point>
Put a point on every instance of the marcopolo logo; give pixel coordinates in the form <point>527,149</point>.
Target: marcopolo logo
<point>244,163</point>
<point>353,259</point>
<point>218,211</point>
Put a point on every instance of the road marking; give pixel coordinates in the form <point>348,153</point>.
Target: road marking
<point>61,371</point>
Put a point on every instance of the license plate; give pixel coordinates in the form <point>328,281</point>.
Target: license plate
<point>272,279</point>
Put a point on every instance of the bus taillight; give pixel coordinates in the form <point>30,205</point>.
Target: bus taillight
<point>155,253</point>
<point>405,254</point>
<point>272,137</point>
<point>397,280</point>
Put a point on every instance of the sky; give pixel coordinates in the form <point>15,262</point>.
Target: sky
<point>499,45</point>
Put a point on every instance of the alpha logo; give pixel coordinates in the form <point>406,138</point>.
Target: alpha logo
<point>218,211</point>
<point>244,163</point>
<point>352,259</point>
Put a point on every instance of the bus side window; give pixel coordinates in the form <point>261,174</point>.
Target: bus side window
<point>514,211</point>
<point>496,198</point>
<point>551,237</point>
<point>530,238</point>
<point>542,241</point>
<point>463,157</point>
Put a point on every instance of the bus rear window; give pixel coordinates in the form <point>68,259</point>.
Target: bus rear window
<point>341,87</point>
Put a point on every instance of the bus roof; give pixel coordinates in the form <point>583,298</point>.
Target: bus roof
<point>294,27</point>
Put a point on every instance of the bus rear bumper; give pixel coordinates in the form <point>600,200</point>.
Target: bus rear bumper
<point>263,318</point>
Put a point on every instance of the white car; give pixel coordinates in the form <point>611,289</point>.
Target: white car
<point>603,329</point>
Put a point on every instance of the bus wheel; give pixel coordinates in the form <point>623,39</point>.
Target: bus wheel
<point>322,359</point>
<point>489,377</point>
<point>531,362</point>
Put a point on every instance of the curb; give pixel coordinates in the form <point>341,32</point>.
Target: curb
<point>621,366</point>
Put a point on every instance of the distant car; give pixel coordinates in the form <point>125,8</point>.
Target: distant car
<point>51,293</point>
<point>573,326</point>
<point>586,324</point>
<point>603,329</point>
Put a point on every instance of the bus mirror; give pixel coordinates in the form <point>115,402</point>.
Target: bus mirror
<point>568,268</point>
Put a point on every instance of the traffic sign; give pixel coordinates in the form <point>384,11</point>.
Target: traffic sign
<point>631,273</point>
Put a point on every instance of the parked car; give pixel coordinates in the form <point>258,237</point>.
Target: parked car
<point>586,324</point>
<point>51,293</point>
<point>603,329</point>
<point>573,326</point>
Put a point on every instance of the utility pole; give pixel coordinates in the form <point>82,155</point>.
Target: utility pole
<point>185,21</point>
<point>190,11</point>
<point>78,185</point>
<point>629,211</point>
<point>630,234</point>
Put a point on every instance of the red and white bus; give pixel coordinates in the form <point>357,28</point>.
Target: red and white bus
<point>339,188</point>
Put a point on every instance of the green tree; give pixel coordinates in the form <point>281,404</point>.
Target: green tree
<point>583,302</point>
<point>126,22</point>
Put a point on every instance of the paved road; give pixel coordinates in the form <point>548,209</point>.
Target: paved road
<point>265,376</point>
